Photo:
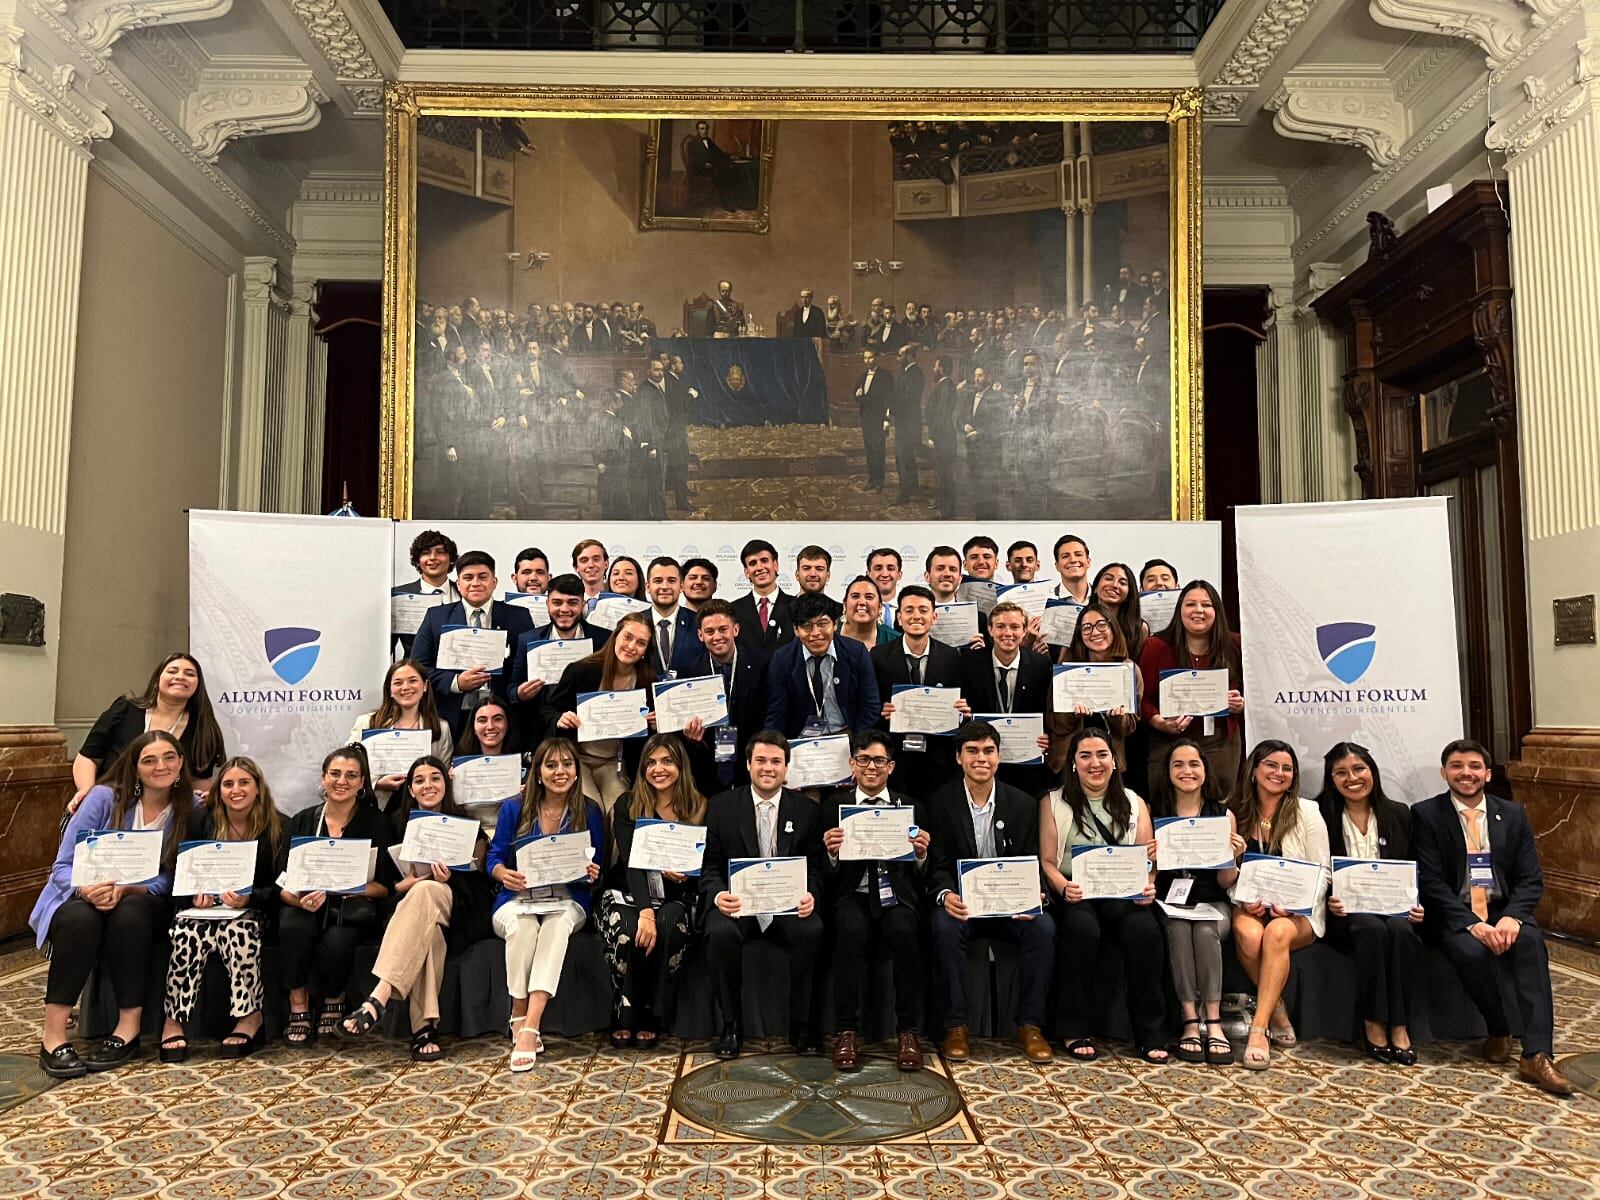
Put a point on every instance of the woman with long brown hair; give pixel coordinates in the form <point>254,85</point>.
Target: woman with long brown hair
<point>407,704</point>
<point>648,917</point>
<point>1097,639</point>
<point>537,922</point>
<point>175,701</point>
<point>622,664</point>
<point>1272,818</point>
<point>1114,590</point>
<point>1197,638</point>
<point>238,808</point>
<point>111,924</point>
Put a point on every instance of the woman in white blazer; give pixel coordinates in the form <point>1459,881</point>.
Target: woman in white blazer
<point>1273,819</point>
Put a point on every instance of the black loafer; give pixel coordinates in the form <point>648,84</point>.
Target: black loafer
<point>805,1043</point>
<point>729,1043</point>
<point>62,1062</point>
<point>112,1052</point>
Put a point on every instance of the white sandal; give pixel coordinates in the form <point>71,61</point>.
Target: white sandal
<point>1258,1058</point>
<point>523,1060</point>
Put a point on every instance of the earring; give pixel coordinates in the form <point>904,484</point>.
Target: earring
<point>138,788</point>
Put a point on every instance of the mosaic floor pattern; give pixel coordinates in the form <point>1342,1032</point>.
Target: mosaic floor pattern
<point>365,1123</point>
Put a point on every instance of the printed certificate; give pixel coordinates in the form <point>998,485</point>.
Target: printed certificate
<point>767,887</point>
<point>955,624</point>
<point>1111,872</point>
<point>667,846</point>
<point>604,715</point>
<point>329,864</point>
<point>461,648</point>
<point>537,604</point>
<point>392,751</point>
<point>819,761</point>
<point>1019,736</point>
<point>1099,687</point>
<point>877,833</point>
<point>550,858</point>
<point>920,709</point>
<point>120,856</point>
<point>548,658</point>
<point>679,700</point>
<point>486,778</point>
<point>1288,883</point>
<point>1386,887</point>
<point>407,610</point>
<point>609,608</point>
<point>1193,844</point>
<point>438,838</point>
<point>1194,693</point>
<point>999,887</point>
<point>211,868</point>
<point>1059,621</point>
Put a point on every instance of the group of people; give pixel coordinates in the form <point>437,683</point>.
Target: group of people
<point>792,667</point>
<point>561,327</point>
<point>943,150</point>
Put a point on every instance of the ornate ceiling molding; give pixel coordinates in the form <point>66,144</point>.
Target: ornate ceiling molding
<point>1498,26</point>
<point>1347,105</point>
<point>51,90</point>
<point>1268,34</point>
<point>358,73</point>
<point>246,97</point>
<point>99,23</point>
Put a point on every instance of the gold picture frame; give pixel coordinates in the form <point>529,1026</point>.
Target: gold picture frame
<point>1180,109</point>
<point>656,199</point>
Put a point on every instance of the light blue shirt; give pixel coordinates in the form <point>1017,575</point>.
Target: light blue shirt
<point>831,714</point>
<point>982,824</point>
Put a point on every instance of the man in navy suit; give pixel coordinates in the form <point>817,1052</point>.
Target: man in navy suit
<point>820,682</point>
<point>744,676</point>
<point>1478,879</point>
<point>675,644</point>
<point>763,820</point>
<point>564,602</point>
<point>476,609</point>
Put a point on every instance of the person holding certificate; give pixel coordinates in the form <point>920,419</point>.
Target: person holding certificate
<point>489,733</point>
<point>1114,591</point>
<point>762,821</point>
<point>318,931</point>
<point>1198,638</point>
<point>1099,638</point>
<point>477,609</point>
<point>1364,823</point>
<point>112,923</point>
<point>622,664</point>
<point>923,763</point>
<point>1193,904</point>
<point>1478,873</point>
<point>407,704</point>
<point>1008,677</point>
<point>536,923</point>
<point>863,615</point>
<point>1158,575</point>
<point>1092,808</point>
<point>175,700</point>
<point>1273,819</point>
<point>648,917</point>
<point>718,760</point>
<point>439,909</point>
<point>433,555</point>
<point>238,808</point>
<point>875,903</point>
<point>820,683</point>
<point>980,817</point>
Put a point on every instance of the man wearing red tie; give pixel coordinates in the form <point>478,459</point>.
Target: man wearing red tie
<point>763,611</point>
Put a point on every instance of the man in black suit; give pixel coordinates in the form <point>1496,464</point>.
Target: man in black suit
<point>809,320</point>
<point>980,817</point>
<point>875,392</point>
<point>434,557</point>
<point>906,408</point>
<point>674,645</point>
<point>564,604</point>
<point>704,159</point>
<point>763,611</point>
<point>476,609</point>
<point>943,437</point>
<point>872,907</point>
<point>675,407</point>
<point>593,335</point>
<point>763,820</point>
<point>983,417</point>
<point>918,660</point>
<point>1010,678</point>
<point>743,670</point>
<point>1479,881</point>
<point>644,411</point>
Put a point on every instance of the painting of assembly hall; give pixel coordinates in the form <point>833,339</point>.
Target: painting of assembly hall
<point>792,319</point>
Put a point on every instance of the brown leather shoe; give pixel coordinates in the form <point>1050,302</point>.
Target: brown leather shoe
<point>956,1047</point>
<point>1033,1044</point>
<point>1540,1070</point>
<point>909,1057</point>
<point>847,1051</point>
<point>1497,1049</point>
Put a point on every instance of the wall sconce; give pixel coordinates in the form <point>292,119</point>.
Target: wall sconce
<point>877,266</point>
<point>535,259</point>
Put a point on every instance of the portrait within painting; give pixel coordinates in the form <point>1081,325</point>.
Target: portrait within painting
<point>792,319</point>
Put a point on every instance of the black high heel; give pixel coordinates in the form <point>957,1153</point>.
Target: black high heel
<point>1406,1057</point>
<point>1383,1054</point>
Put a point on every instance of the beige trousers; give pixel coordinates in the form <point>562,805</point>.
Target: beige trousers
<point>536,946</point>
<point>411,958</point>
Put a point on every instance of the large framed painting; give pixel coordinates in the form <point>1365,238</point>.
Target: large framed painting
<point>744,305</point>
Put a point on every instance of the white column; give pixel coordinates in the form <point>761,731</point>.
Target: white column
<point>48,126</point>
<point>266,322</point>
<point>316,424</point>
<point>1086,207</point>
<point>295,431</point>
<point>1550,132</point>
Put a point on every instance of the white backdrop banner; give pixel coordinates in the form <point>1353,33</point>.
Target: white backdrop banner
<point>1194,547</point>
<point>289,616</point>
<point>1348,619</point>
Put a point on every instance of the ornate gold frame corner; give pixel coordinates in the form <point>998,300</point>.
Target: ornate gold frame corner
<point>760,223</point>
<point>405,102</point>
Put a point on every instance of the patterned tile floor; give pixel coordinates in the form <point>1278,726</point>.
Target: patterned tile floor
<point>364,1123</point>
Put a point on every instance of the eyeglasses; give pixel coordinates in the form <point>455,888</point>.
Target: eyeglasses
<point>870,760</point>
<point>1094,627</point>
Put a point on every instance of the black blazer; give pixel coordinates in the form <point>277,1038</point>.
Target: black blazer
<point>636,884</point>
<point>874,402</point>
<point>844,877</point>
<point>263,888</point>
<point>920,773</point>
<point>1394,827</point>
<point>949,826</point>
<point>810,324</point>
<point>116,728</point>
<point>940,413</point>
<point>563,698</point>
<point>747,706</point>
<point>1440,847</point>
<point>731,833</point>
<point>780,628</point>
<point>907,403</point>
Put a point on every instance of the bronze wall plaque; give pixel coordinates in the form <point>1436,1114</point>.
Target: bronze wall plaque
<point>1575,621</point>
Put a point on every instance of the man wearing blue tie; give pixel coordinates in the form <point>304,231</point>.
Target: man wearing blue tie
<point>676,643</point>
<point>820,683</point>
<point>475,610</point>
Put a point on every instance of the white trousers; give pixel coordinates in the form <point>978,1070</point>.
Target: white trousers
<point>536,946</point>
